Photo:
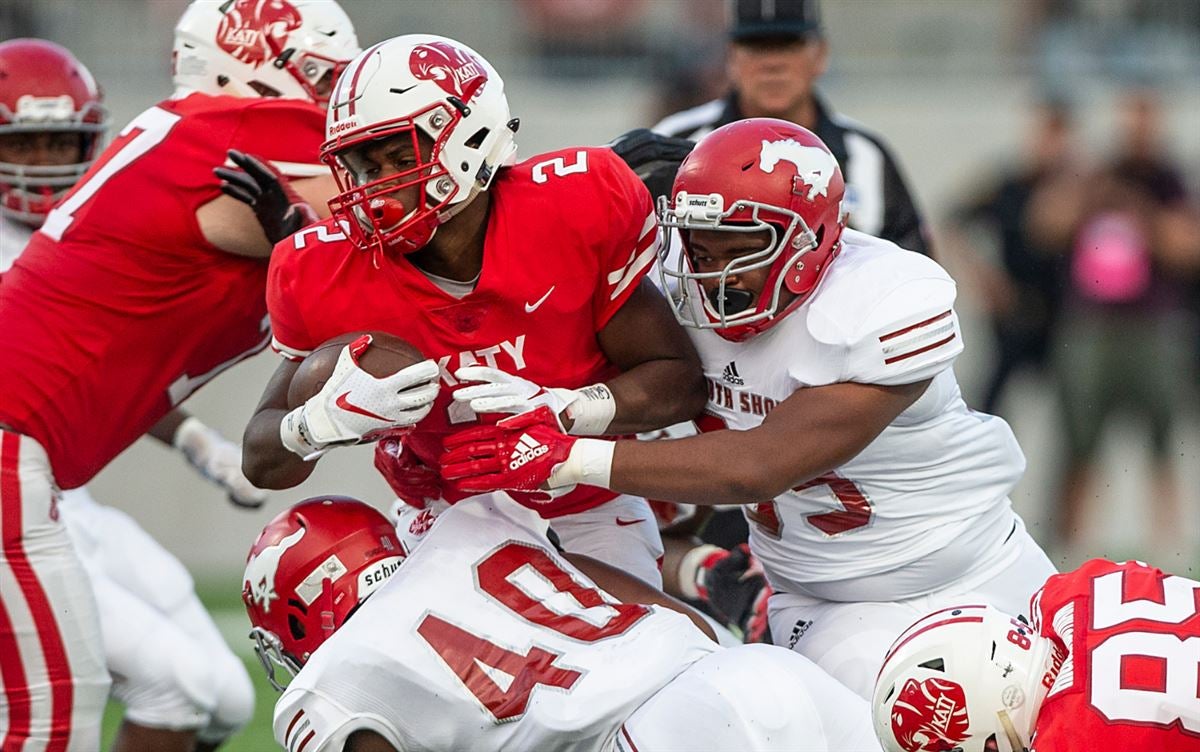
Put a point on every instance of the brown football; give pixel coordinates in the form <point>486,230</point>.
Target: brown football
<point>386,355</point>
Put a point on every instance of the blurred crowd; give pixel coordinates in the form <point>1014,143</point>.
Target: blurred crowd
<point>1092,282</point>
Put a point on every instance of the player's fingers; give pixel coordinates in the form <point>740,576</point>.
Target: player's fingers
<point>418,374</point>
<point>482,373</point>
<point>253,166</point>
<point>471,435</point>
<point>475,451</point>
<point>417,397</point>
<point>482,391</point>
<point>474,471</point>
<point>504,405</point>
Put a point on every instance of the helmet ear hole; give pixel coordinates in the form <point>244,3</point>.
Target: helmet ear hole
<point>296,627</point>
<point>476,139</point>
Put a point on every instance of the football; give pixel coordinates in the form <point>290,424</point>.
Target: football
<point>386,355</point>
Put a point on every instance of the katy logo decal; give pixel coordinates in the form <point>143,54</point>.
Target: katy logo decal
<point>930,716</point>
<point>260,572</point>
<point>252,30</point>
<point>457,71</point>
<point>814,167</point>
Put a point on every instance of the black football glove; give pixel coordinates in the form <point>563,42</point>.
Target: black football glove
<point>278,208</point>
<point>732,584</point>
<point>654,157</point>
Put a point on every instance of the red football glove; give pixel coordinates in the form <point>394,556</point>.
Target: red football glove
<point>517,454</point>
<point>414,482</point>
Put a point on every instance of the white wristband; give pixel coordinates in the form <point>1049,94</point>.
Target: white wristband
<point>592,411</point>
<point>689,565</point>
<point>589,463</point>
<point>187,431</point>
<point>293,433</point>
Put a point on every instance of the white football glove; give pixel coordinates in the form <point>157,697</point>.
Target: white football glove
<point>590,409</point>
<point>219,460</point>
<point>354,407</point>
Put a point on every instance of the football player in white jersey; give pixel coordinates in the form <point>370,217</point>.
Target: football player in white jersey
<point>834,416</point>
<point>182,687</point>
<point>486,637</point>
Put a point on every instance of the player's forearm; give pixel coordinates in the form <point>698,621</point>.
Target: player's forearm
<point>164,430</point>
<point>656,394</point>
<point>724,467</point>
<point>266,462</point>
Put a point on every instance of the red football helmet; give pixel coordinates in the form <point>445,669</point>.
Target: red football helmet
<point>44,89</point>
<point>309,569</point>
<point>745,177</point>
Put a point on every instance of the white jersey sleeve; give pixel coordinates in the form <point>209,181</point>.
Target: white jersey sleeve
<point>889,316</point>
<point>309,721</point>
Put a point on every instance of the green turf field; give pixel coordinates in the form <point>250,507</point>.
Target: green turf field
<point>222,600</point>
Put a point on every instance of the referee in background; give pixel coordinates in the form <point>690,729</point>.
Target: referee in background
<point>777,52</point>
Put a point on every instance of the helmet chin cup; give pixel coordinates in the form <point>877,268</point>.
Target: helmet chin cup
<point>730,300</point>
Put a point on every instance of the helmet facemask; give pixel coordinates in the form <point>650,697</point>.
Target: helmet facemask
<point>725,308</point>
<point>378,219</point>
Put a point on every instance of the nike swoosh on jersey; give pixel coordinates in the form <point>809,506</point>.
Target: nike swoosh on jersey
<point>531,307</point>
<point>623,523</point>
<point>348,406</point>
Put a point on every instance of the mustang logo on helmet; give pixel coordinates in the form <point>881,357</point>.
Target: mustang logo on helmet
<point>249,24</point>
<point>930,716</point>
<point>260,571</point>
<point>814,167</point>
<point>457,71</point>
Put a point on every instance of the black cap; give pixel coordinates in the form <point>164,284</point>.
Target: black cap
<point>774,18</point>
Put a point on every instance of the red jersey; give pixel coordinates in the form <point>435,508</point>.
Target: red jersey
<point>570,235</point>
<point>1130,680</point>
<point>119,308</point>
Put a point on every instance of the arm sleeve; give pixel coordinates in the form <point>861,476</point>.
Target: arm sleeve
<point>629,238</point>
<point>312,722</point>
<point>911,334</point>
<point>287,133</point>
<point>290,336</point>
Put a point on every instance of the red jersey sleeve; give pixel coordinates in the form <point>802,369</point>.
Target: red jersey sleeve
<point>632,234</point>
<point>290,335</point>
<point>286,132</point>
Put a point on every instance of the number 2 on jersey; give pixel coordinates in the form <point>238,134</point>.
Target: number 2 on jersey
<point>514,576</point>
<point>142,134</point>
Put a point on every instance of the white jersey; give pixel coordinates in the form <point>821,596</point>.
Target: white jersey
<point>14,236</point>
<point>486,639</point>
<point>930,493</point>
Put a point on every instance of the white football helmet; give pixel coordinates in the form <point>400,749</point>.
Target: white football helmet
<point>961,676</point>
<point>420,85</point>
<point>263,48</point>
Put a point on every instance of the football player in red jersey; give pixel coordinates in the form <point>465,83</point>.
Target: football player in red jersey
<point>1109,662</point>
<point>512,275</point>
<point>143,283</point>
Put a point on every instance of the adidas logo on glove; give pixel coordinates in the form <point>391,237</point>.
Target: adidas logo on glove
<point>527,450</point>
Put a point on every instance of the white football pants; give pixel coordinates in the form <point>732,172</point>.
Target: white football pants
<point>53,683</point>
<point>750,698</point>
<point>171,668</point>
<point>850,639</point>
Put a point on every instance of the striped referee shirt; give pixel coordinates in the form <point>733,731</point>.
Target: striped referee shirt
<point>877,199</point>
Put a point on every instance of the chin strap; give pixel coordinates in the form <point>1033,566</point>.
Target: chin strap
<point>1014,739</point>
<point>735,300</point>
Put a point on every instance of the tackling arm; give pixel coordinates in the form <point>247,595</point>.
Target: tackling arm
<point>811,432</point>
